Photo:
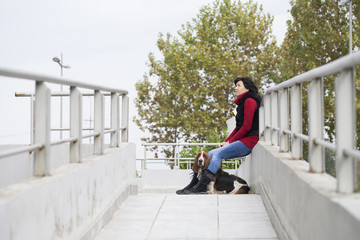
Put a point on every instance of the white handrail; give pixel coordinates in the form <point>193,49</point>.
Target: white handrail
<point>57,80</point>
<point>334,67</point>
<point>42,139</point>
<point>276,103</point>
<point>176,159</point>
<point>18,150</point>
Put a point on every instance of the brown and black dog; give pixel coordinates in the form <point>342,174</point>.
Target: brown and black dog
<point>223,182</point>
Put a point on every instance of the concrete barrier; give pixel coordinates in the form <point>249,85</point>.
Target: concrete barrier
<point>75,202</point>
<point>301,205</point>
<point>19,167</point>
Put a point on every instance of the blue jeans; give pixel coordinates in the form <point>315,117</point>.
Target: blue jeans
<point>232,150</point>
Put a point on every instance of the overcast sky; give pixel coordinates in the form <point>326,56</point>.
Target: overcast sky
<point>104,41</point>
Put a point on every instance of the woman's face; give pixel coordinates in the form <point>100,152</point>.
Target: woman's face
<point>240,88</point>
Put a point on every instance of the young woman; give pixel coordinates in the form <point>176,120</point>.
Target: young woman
<point>242,139</point>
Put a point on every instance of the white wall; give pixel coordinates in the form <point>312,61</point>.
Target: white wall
<point>301,205</point>
<point>73,203</point>
<point>15,168</point>
<point>19,167</point>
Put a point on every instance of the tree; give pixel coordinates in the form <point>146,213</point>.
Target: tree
<point>189,91</point>
<point>317,34</point>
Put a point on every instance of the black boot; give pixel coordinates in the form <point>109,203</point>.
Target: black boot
<point>193,182</point>
<point>201,186</point>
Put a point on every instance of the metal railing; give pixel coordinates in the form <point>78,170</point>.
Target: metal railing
<point>176,160</point>
<point>42,109</point>
<point>31,95</point>
<point>277,127</point>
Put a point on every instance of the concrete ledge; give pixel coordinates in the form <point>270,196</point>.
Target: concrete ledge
<point>302,205</point>
<point>73,203</point>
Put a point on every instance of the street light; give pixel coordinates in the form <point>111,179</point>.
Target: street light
<point>343,3</point>
<point>60,62</point>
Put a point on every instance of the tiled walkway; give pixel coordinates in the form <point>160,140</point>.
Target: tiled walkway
<point>171,216</point>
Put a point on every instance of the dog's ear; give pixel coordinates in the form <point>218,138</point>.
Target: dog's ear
<point>195,167</point>
<point>207,160</point>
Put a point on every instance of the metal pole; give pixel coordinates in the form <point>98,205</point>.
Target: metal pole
<point>296,121</point>
<point>345,124</point>
<point>350,27</point>
<point>91,108</point>
<point>350,22</point>
<point>316,125</point>
<point>32,119</point>
<point>61,98</point>
<point>274,118</point>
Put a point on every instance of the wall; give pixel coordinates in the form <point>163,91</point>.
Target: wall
<point>19,167</point>
<point>15,168</point>
<point>301,205</point>
<point>73,203</point>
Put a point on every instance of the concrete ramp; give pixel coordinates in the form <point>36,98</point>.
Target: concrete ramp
<point>171,216</point>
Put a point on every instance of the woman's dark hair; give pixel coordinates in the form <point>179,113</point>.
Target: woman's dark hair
<point>248,84</point>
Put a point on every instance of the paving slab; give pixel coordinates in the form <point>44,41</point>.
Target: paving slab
<point>151,216</point>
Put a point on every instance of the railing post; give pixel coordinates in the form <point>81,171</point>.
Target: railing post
<point>99,122</point>
<point>143,163</point>
<point>115,117</point>
<point>267,117</point>
<point>296,121</point>
<point>75,124</point>
<point>284,119</point>
<point>316,125</point>
<point>345,130</point>
<point>42,129</point>
<point>125,119</point>
<point>262,123</point>
<point>274,118</point>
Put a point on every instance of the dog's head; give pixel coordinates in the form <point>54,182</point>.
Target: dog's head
<point>201,161</point>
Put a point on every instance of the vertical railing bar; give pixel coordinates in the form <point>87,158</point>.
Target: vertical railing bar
<point>296,121</point>
<point>115,117</point>
<point>144,160</point>
<point>75,124</point>
<point>125,119</point>
<point>316,125</point>
<point>284,119</point>
<point>345,118</point>
<point>261,123</point>
<point>42,129</point>
<point>32,122</point>
<point>267,117</point>
<point>177,157</point>
<point>99,122</point>
<point>274,118</point>
<point>143,163</point>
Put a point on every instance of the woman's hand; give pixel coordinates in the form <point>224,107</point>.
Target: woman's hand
<point>223,144</point>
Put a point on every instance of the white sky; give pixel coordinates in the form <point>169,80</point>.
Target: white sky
<point>106,42</point>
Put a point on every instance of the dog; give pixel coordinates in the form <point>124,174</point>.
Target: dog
<point>223,182</point>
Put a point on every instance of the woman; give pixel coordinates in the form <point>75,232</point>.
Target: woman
<point>242,139</point>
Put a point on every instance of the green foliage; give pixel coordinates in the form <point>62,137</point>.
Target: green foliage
<point>189,90</point>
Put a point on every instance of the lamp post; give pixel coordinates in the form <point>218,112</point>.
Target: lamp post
<point>343,3</point>
<point>61,63</point>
